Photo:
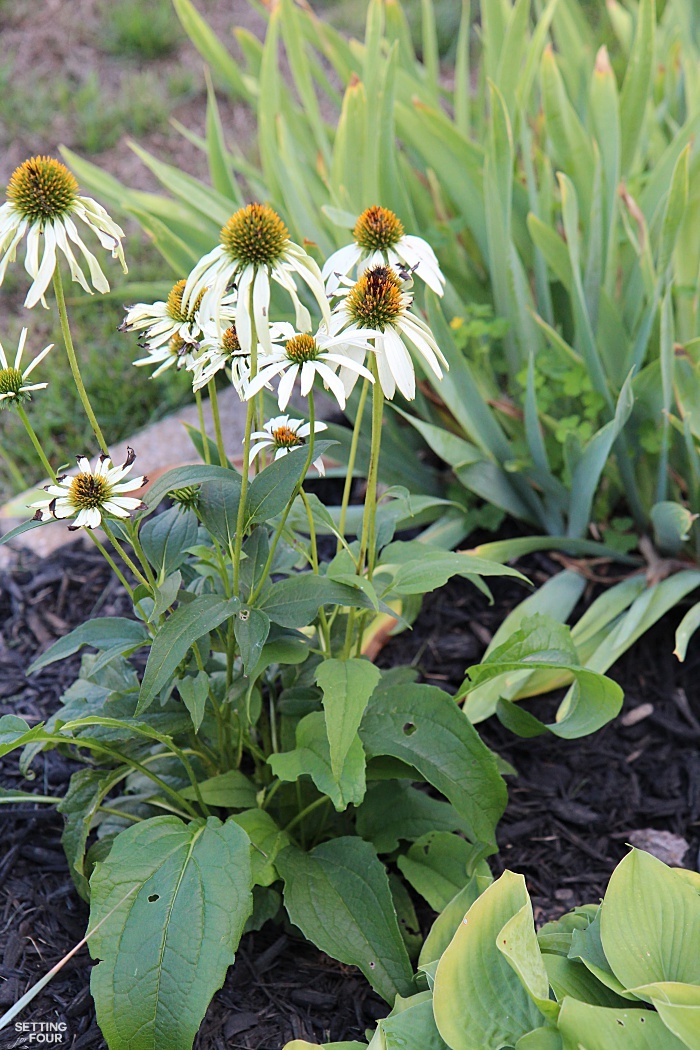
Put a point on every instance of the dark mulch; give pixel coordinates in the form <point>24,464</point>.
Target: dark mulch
<point>570,813</point>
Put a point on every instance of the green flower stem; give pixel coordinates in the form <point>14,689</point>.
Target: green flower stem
<point>121,813</point>
<point>369,518</point>
<point>112,564</point>
<point>323,619</point>
<point>214,402</point>
<point>249,419</point>
<point>351,460</point>
<point>122,553</point>
<point>73,361</point>
<point>140,554</point>
<point>202,428</point>
<point>287,509</point>
<point>50,473</point>
<point>305,812</point>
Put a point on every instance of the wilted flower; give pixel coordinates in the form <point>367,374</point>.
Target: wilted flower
<point>91,495</point>
<point>160,321</point>
<point>283,434</point>
<point>307,356</point>
<point>255,247</point>
<point>175,353</point>
<point>14,388</point>
<point>380,239</point>
<point>42,201</point>
<point>377,303</point>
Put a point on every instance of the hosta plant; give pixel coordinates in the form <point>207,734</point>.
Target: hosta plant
<point>623,973</point>
<point>241,755</point>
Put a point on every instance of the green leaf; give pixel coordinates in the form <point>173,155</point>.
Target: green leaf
<point>85,793</point>
<point>436,567</point>
<point>517,941</point>
<point>479,1000</point>
<point>650,923</point>
<point>438,866</point>
<point>672,523</point>
<point>685,631</point>
<point>183,477</point>
<point>412,1028</point>
<point>271,490</point>
<point>106,632</point>
<point>613,1029</point>
<point>194,691</point>
<point>571,977</point>
<point>311,757</point>
<point>168,907</point>
<point>347,686</point>
<point>545,645</point>
<point>222,178</point>
<point>294,602</point>
<point>423,726</point>
<point>266,840</point>
<point>339,897</point>
<point>678,1006</point>
<point>19,530</point>
<point>231,790</point>
<point>174,640</point>
<point>448,921</point>
<point>14,732</point>
<point>637,84</point>
<point>212,50</point>
<point>251,628</point>
<point>395,810</point>
<point>218,507</point>
<point>166,537</point>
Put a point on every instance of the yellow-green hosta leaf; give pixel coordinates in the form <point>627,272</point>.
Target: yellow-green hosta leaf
<point>678,1006</point>
<point>168,907</point>
<point>650,923</point>
<point>585,1027</point>
<point>479,1001</point>
<point>447,923</point>
<point>517,941</point>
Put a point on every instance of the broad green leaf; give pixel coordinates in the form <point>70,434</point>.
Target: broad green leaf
<point>166,537</point>
<point>14,732</point>
<point>218,507</point>
<point>678,1006</point>
<point>270,492</point>
<point>251,628</point>
<point>294,602</point>
<point>338,895</point>
<point>168,907</point>
<point>85,793</point>
<point>650,923</point>
<point>571,977</point>
<point>347,686</point>
<point>438,866</point>
<point>106,632</point>
<point>601,1028</point>
<point>484,1004</point>
<point>447,923</point>
<point>311,757</point>
<point>301,1044</point>
<point>395,810</point>
<point>266,841</point>
<point>412,1028</point>
<point>174,640</point>
<point>423,726</point>
<point>587,946</point>
<point>183,477</point>
<point>230,790</point>
<point>429,573</point>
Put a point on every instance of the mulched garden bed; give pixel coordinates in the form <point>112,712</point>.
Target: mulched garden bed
<point>572,808</point>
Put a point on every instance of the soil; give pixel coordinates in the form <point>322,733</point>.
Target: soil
<point>572,808</point>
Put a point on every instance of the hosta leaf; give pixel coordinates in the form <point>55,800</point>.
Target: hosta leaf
<point>447,923</point>
<point>613,1029</point>
<point>484,1004</point>
<point>422,726</point>
<point>650,923</point>
<point>338,895</point>
<point>167,911</point>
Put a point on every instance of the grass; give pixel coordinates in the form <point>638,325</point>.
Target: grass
<point>140,28</point>
<point>124,397</point>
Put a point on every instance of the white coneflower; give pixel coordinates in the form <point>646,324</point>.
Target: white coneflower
<point>255,247</point>
<point>307,356</point>
<point>175,353</point>
<point>159,322</point>
<point>14,388</point>
<point>380,238</point>
<point>283,434</point>
<point>42,201</point>
<point>91,494</point>
<point>378,303</point>
<point>219,350</point>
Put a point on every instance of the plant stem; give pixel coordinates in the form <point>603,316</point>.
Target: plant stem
<point>122,553</point>
<point>305,812</point>
<point>249,417</point>
<point>351,460</point>
<point>369,518</point>
<point>73,361</point>
<point>112,564</point>
<point>214,402</point>
<point>202,428</point>
<point>35,442</point>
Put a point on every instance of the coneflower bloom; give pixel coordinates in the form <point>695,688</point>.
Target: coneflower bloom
<point>159,322</point>
<point>283,434</point>
<point>255,248</point>
<point>42,202</point>
<point>91,495</point>
<point>378,304</point>
<point>222,349</point>
<point>14,388</point>
<point>306,356</point>
<point>380,239</point>
<point>176,353</point>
